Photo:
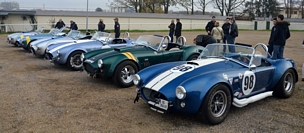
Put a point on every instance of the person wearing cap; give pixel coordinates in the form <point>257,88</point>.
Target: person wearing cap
<point>172,28</point>
<point>116,28</point>
<point>73,25</point>
<point>101,25</point>
<point>270,42</point>
<point>210,25</point>
<point>178,29</point>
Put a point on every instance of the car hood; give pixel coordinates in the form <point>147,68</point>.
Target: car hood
<point>172,77</point>
<point>53,48</point>
<point>52,41</point>
<point>113,51</point>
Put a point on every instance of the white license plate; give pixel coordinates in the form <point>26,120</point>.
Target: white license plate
<point>163,104</point>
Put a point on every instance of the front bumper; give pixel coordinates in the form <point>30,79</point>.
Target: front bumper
<point>157,101</point>
<point>53,59</point>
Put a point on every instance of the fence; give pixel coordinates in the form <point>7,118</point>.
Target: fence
<point>247,25</point>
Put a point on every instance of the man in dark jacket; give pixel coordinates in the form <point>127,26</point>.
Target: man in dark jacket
<point>210,25</point>
<point>178,29</point>
<point>204,40</point>
<point>101,25</point>
<point>225,28</point>
<point>270,42</point>
<point>281,34</point>
<point>59,24</point>
<point>172,28</point>
<point>116,28</point>
<point>73,25</point>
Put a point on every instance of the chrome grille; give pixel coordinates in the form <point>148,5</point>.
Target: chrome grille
<point>152,95</point>
<point>89,68</point>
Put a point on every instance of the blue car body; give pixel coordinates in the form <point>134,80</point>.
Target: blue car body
<point>12,38</point>
<point>24,41</point>
<point>249,77</point>
<point>61,53</point>
<point>38,47</point>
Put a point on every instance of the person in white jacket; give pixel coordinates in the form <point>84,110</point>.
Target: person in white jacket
<point>217,32</point>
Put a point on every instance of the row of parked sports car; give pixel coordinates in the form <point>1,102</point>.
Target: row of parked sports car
<point>171,76</point>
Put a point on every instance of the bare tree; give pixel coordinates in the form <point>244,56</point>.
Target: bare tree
<point>152,6</point>
<point>227,5</point>
<point>202,4</point>
<point>187,4</point>
<point>133,4</point>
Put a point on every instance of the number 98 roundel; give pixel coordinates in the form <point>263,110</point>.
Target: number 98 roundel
<point>248,82</point>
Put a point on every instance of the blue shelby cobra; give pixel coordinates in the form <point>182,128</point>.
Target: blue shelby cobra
<point>70,53</point>
<point>209,85</point>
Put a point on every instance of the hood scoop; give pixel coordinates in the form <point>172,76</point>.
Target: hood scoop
<point>192,63</point>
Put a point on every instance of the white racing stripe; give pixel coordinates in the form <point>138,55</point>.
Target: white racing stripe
<point>160,81</point>
<point>68,44</point>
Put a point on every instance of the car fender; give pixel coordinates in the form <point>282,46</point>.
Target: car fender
<point>200,86</point>
<point>114,61</point>
<point>190,50</point>
<point>281,66</point>
<point>70,51</point>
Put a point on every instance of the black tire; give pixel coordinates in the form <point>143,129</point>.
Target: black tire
<point>29,47</point>
<point>286,85</point>
<point>74,62</point>
<point>192,57</point>
<point>124,79</point>
<point>208,111</point>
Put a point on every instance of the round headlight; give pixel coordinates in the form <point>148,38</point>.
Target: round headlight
<point>180,92</point>
<point>100,63</point>
<point>136,79</point>
<point>82,57</point>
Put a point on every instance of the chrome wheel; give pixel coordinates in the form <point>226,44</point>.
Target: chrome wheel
<point>126,74</point>
<point>288,82</point>
<point>75,61</point>
<point>218,103</point>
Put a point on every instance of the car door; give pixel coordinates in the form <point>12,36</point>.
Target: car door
<point>257,79</point>
<point>172,55</point>
<point>150,57</point>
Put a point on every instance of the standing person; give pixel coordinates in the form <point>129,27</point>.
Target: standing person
<point>217,32</point>
<point>178,29</point>
<point>281,34</point>
<point>73,25</point>
<point>210,25</point>
<point>270,42</point>
<point>116,28</point>
<point>225,28</point>
<point>233,32</point>
<point>59,24</point>
<point>101,25</point>
<point>172,28</point>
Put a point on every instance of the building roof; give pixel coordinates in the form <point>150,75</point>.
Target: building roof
<point>22,12</point>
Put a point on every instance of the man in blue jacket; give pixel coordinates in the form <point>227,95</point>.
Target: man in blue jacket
<point>281,34</point>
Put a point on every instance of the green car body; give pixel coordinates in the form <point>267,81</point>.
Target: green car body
<point>114,63</point>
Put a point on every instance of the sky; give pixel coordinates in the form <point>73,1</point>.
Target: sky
<point>74,4</point>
